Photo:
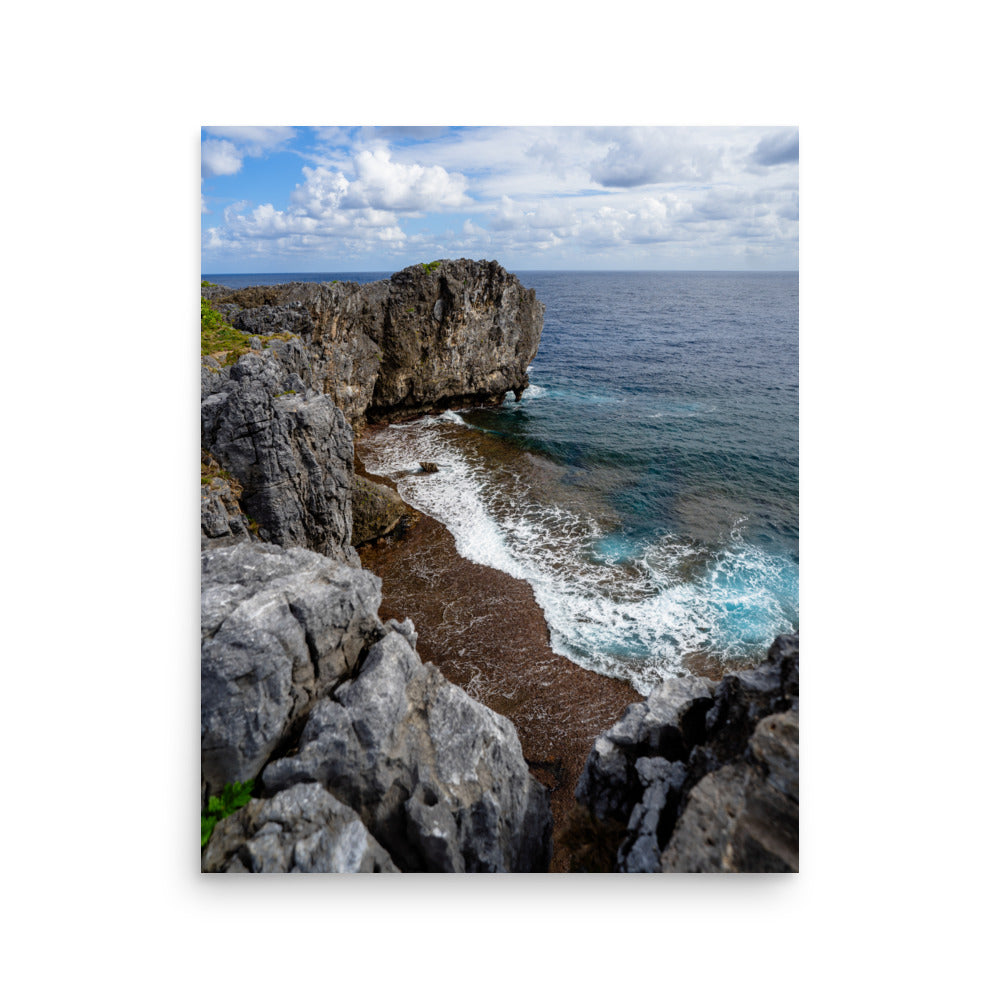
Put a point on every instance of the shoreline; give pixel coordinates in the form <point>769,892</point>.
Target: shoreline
<point>486,633</point>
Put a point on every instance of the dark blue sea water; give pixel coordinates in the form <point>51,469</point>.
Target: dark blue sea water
<point>646,485</point>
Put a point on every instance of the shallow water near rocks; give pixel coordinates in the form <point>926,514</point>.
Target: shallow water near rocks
<point>646,484</point>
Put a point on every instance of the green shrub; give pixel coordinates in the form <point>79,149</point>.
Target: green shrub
<point>234,796</point>
<point>432,266</point>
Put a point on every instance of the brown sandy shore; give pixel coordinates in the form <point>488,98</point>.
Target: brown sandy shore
<point>487,634</point>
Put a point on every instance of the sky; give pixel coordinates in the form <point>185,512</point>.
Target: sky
<point>283,199</point>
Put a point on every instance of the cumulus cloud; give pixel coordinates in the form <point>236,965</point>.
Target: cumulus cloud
<point>404,187</point>
<point>219,157</point>
<point>779,147</point>
<point>327,205</point>
<point>565,195</point>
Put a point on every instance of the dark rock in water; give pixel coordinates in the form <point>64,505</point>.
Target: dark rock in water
<point>280,627</point>
<point>303,829</point>
<point>429,467</point>
<point>452,334</point>
<point>706,774</point>
<point>438,778</point>
<point>375,509</point>
<point>290,448</point>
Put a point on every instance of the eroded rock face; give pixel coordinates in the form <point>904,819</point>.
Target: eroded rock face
<point>303,829</point>
<point>280,627</point>
<point>438,778</point>
<point>457,333</point>
<point>705,774</point>
<point>289,447</point>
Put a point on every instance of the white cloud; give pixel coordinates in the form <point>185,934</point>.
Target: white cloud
<point>404,187</point>
<point>219,157</point>
<point>224,154</point>
<point>619,195</point>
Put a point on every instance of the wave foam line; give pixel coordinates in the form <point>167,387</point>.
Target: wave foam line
<point>635,618</point>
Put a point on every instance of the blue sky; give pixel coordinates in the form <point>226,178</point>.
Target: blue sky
<point>282,198</point>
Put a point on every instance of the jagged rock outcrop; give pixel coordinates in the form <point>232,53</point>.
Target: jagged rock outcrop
<point>449,334</point>
<point>438,778</point>
<point>704,774</point>
<point>289,447</point>
<point>375,510</point>
<point>280,627</point>
<point>303,829</point>
<point>745,816</point>
<point>222,519</point>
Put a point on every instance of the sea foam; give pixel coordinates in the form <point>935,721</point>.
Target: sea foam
<point>633,608</point>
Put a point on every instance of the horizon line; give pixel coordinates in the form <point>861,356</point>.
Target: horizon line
<point>592,270</point>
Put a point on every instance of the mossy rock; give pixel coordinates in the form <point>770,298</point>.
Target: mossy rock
<point>376,510</point>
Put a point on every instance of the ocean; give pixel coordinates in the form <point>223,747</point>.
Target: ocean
<point>646,484</point>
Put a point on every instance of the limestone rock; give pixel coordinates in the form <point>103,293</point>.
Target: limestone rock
<point>705,774</point>
<point>303,829</point>
<point>280,627</point>
<point>375,509</point>
<point>668,724</point>
<point>290,448</point>
<point>449,334</point>
<point>745,816</point>
<point>438,778</point>
<point>222,520</point>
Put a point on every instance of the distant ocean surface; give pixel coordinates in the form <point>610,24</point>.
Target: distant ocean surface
<point>646,485</point>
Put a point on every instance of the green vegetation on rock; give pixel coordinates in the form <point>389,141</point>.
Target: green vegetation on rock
<point>234,796</point>
<point>432,266</point>
<point>217,335</point>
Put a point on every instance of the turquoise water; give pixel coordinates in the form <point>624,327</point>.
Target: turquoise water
<point>646,484</point>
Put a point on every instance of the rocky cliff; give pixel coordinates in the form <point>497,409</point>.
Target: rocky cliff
<point>702,776</point>
<point>361,756</point>
<point>432,336</point>
<point>303,685</point>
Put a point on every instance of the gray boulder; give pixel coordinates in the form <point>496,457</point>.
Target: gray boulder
<point>290,448</point>
<point>438,778</point>
<point>280,628</point>
<point>303,829</point>
<point>375,510</point>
